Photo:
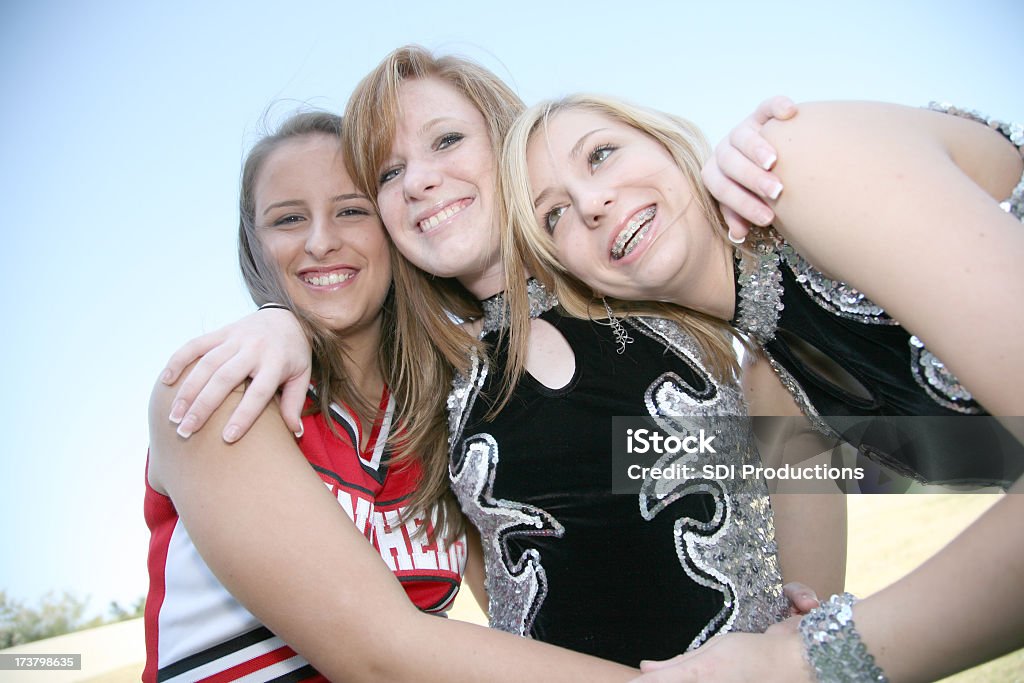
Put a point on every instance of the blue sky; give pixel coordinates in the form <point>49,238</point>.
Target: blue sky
<point>123,126</point>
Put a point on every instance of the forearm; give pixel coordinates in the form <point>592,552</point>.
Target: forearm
<point>810,530</point>
<point>277,539</point>
<point>963,607</point>
<point>466,652</point>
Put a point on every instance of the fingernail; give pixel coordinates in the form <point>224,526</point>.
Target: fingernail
<point>166,377</point>
<point>177,411</point>
<point>736,240</point>
<point>187,426</point>
<point>231,433</point>
<point>302,430</point>
<point>764,217</point>
<point>771,189</point>
<point>767,159</point>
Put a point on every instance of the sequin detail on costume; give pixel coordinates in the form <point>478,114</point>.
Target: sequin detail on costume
<point>1014,132</point>
<point>517,586</point>
<point>760,297</point>
<point>834,296</point>
<point>847,302</point>
<point>735,552</point>
<point>929,372</point>
<point>496,310</point>
<point>800,397</point>
<point>938,382</point>
<point>465,389</point>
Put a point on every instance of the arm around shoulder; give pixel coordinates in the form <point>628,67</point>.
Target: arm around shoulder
<point>274,536</point>
<point>893,201</point>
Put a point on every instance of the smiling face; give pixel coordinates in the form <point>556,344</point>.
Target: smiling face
<point>322,234</point>
<point>437,187</point>
<point>620,210</point>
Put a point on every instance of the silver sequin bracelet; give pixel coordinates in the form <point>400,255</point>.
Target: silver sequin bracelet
<point>833,647</point>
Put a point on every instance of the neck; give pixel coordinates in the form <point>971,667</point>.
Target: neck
<point>711,289</point>
<point>361,364</point>
<point>487,284</point>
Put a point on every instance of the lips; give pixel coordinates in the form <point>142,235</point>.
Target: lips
<point>433,220</point>
<point>633,233</point>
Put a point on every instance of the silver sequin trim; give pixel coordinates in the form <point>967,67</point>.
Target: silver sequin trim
<point>939,383</point>
<point>735,553</point>
<point>516,586</point>
<point>801,399</point>
<point>838,298</point>
<point>929,371</point>
<point>496,310</point>
<point>465,389</point>
<point>760,296</point>
<point>1014,132</point>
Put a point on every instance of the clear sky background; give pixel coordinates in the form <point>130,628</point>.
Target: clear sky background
<point>122,129</point>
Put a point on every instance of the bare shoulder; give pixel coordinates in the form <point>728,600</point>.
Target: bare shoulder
<point>858,175</point>
<point>874,132</point>
<point>763,390</point>
<point>822,121</point>
<point>166,447</point>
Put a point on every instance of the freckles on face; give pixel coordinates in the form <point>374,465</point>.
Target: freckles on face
<point>436,188</point>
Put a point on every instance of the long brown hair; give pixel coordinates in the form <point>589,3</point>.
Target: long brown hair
<point>263,280</point>
<point>413,437</point>
<point>429,346</point>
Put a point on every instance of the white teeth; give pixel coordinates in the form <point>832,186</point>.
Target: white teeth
<point>325,280</point>
<point>443,214</point>
<point>633,233</point>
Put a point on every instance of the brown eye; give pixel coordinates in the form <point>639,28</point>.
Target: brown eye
<point>447,140</point>
<point>287,221</point>
<point>389,174</point>
<point>352,211</point>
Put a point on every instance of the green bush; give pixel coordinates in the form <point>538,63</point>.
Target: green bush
<point>54,616</point>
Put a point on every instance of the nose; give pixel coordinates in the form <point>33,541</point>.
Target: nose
<point>595,204</point>
<point>322,238</point>
<point>420,178</point>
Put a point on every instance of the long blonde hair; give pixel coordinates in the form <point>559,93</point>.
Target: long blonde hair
<point>429,347</point>
<point>528,246</point>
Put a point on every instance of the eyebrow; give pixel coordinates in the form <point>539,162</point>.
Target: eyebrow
<point>578,147</point>
<point>574,154</point>
<point>541,197</point>
<point>433,122</point>
<point>297,202</point>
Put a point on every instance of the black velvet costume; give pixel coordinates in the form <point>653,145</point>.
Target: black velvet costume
<point>568,562</point>
<point>799,315</point>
